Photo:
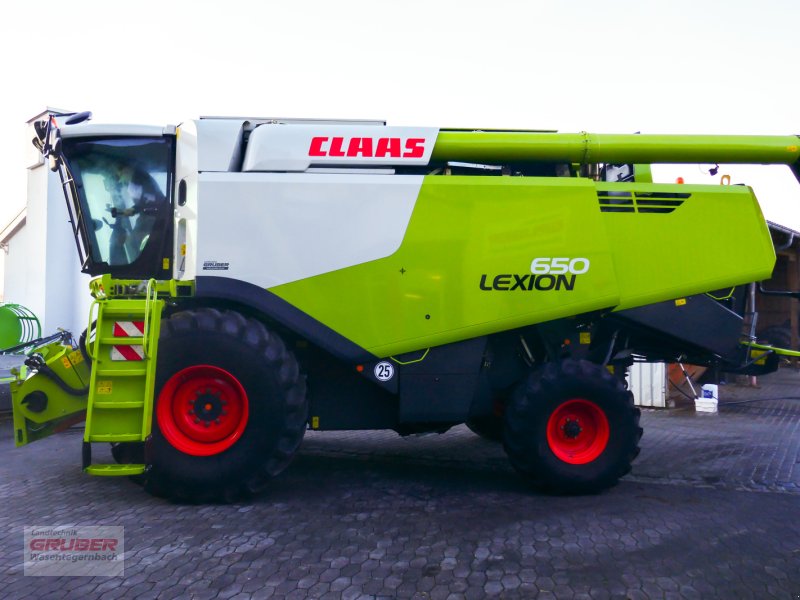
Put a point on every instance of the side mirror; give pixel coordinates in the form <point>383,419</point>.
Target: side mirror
<point>40,127</point>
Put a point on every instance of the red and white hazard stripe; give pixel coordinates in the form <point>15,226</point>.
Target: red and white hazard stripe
<point>124,351</point>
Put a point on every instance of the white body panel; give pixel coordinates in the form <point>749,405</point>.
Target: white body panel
<point>280,147</point>
<point>185,237</point>
<point>219,142</point>
<point>275,228</point>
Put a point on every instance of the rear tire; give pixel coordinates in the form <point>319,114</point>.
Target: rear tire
<point>230,408</point>
<point>572,428</point>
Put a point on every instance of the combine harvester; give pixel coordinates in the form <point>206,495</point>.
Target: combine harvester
<point>258,277</point>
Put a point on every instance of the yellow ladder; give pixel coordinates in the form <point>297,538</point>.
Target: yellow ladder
<point>123,353</point>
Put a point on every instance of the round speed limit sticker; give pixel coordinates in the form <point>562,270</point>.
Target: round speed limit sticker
<point>384,371</point>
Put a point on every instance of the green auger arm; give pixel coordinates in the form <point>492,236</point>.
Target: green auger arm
<point>55,391</point>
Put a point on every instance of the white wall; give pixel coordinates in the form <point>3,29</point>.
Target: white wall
<point>42,270</point>
<point>67,289</point>
<point>19,286</point>
<point>24,281</point>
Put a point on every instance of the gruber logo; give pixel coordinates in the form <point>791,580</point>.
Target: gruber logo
<point>546,274</point>
<point>365,147</point>
<point>73,544</point>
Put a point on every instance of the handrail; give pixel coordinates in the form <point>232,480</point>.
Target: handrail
<point>151,292</point>
<point>88,344</point>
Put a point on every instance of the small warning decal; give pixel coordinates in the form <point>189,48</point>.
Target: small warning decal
<point>384,371</point>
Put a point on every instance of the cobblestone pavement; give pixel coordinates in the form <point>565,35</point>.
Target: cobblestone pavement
<point>710,511</point>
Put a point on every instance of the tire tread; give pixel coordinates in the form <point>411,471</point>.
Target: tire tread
<point>273,352</point>
<point>523,424</point>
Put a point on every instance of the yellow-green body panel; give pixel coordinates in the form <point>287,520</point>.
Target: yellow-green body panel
<point>465,231</point>
<point>716,238</point>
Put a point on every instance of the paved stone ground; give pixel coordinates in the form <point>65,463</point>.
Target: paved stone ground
<point>710,511</point>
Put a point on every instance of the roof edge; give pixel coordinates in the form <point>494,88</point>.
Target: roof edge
<point>14,226</point>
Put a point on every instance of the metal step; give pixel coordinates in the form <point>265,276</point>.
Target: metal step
<point>122,341</point>
<point>125,307</point>
<point>111,404</point>
<point>121,372</point>
<point>115,437</point>
<point>115,470</point>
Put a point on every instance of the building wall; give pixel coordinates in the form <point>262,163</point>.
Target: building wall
<point>42,270</point>
<point>24,282</point>
<point>773,310</point>
<point>19,286</point>
<point>66,295</point>
<point>782,312</point>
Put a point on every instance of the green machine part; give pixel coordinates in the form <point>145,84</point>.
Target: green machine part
<point>466,266</point>
<point>586,148</point>
<point>53,398</point>
<point>17,325</point>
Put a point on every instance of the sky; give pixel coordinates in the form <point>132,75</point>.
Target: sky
<point>674,66</point>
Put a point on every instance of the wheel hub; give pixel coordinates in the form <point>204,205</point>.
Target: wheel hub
<point>209,406</point>
<point>578,431</point>
<point>202,410</point>
<point>572,429</point>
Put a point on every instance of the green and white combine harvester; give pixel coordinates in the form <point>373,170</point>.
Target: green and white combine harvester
<point>259,277</point>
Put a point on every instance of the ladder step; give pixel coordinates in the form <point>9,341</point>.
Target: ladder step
<point>120,306</point>
<point>115,437</point>
<point>121,372</point>
<point>115,470</point>
<point>124,314</point>
<point>122,341</point>
<point>118,405</point>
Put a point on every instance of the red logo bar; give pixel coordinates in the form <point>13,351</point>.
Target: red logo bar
<point>365,147</point>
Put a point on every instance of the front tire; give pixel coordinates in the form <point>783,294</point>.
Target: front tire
<point>230,408</point>
<point>572,428</point>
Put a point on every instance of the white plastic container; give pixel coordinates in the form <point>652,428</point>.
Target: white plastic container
<point>708,401</point>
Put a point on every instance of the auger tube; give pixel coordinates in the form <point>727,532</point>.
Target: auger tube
<point>479,146</point>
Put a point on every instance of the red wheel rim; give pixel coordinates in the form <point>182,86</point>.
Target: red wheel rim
<point>202,410</point>
<point>577,431</point>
